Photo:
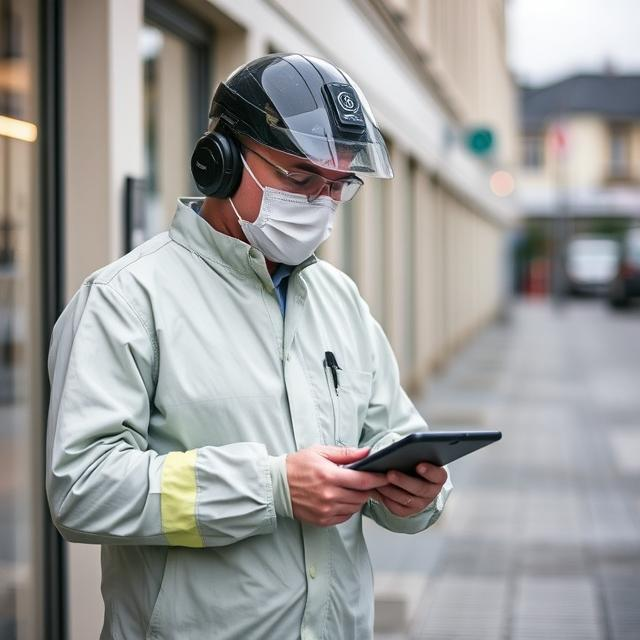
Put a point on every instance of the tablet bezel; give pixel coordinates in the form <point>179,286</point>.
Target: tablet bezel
<point>440,441</point>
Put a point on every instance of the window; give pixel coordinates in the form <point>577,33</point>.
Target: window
<point>532,150</point>
<point>619,151</point>
<point>21,357</point>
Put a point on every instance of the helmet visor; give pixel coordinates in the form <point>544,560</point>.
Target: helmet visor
<point>322,149</point>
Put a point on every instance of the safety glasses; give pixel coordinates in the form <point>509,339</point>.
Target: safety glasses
<point>313,185</point>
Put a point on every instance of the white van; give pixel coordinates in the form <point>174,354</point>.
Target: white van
<point>591,263</point>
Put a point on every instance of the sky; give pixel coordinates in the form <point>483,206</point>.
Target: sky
<point>549,39</point>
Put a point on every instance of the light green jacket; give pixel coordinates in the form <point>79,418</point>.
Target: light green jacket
<point>177,389</point>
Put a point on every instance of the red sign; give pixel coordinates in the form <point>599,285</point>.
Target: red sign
<point>557,139</point>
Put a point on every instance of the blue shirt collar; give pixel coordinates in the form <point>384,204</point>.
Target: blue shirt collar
<point>282,271</point>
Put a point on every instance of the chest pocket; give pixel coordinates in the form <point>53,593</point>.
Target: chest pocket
<point>349,403</point>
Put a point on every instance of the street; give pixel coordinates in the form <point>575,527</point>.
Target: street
<point>541,536</point>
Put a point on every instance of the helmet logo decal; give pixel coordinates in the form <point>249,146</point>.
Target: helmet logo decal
<point>347,102</point>
<point>342,100</point>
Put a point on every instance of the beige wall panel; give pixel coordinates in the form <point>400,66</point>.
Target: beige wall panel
<point>418,24</point>
<point>440,276</point>
<point>395,298</point>
<point>424,277</point>
<point>448,259</point>
<point>88,214</point>
<point>466,312</point>
<point>364,207</point>
<point>434,243</point>
<point>476,300</point>
<point>455,258</point>
<point>373,254</point>
<point>588,161</point>
<point>361,220</point>
<point>331,249</point>
<point>174,134</point>
<point>461,265</point>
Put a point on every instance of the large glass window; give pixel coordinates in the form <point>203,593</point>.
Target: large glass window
<point>20,356</point>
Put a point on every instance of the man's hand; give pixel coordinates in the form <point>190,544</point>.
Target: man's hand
<point>324,494</point>
<point>406,495</point>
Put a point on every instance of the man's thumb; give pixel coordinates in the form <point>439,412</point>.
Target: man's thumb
<point>343,455</point>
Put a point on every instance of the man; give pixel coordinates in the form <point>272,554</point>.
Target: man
<point>209,386</point>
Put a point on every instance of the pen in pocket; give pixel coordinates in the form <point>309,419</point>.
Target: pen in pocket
<point>331,362</point>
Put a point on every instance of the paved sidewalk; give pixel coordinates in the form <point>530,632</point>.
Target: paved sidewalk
<point>541,536</point>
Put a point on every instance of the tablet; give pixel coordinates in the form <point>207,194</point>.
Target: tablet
<point>436,447</point>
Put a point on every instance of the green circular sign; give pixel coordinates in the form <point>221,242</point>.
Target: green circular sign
<point>480,140</point>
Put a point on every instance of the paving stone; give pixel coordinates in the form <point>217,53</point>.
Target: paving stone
<point>621,588</point>
<point>625,444</point>
<point>548,607</point>
<point>461,608</point>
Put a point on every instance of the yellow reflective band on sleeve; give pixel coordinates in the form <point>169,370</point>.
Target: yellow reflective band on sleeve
<point>178,500</point>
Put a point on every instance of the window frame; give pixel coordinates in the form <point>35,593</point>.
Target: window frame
<point>50,164</point>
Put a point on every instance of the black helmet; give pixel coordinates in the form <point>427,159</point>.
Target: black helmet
<point>304,106</point>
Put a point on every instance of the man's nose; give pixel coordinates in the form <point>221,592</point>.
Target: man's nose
<point>326,189</point>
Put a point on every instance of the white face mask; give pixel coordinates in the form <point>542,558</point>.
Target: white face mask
<point>288,228</point>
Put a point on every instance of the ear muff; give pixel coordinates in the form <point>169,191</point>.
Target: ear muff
<point>216,166</point>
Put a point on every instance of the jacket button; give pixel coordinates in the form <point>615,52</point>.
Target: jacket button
<point>312,571</point>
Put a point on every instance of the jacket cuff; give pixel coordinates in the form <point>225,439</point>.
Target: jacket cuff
<point>280,485</point>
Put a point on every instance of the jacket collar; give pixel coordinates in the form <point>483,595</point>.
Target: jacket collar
<point>193,232</point>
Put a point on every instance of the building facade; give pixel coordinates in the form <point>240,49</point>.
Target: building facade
<point>580,169</point>
<point>116,93</point>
